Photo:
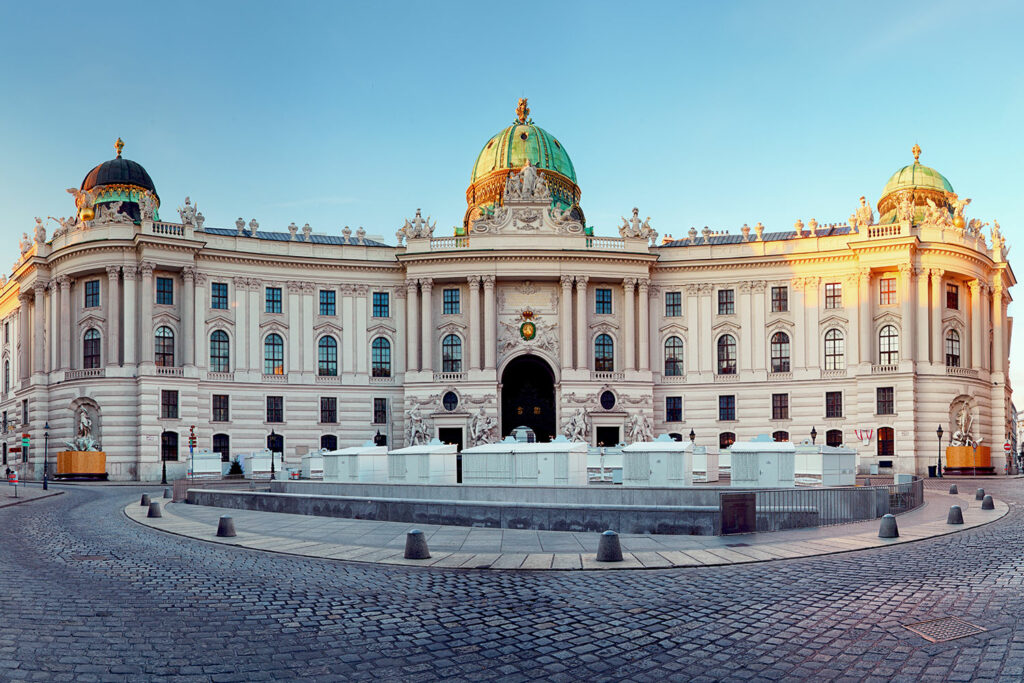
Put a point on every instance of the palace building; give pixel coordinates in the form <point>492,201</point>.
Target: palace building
<point>872,332</point>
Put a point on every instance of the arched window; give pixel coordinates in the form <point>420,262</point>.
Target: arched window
<point>834,438</point>
<point>673,357</point>
<point>726,439</point>
<point>886,441</point>
<point>329,441</point>
<point>604,353</point>
<point>91,349</point>
<point>727,355</point>
<point>451,354</point>
<point>780,352</point>
<point>381,357</point>
<point>835,350</point>
<point>888,345</point>
<point>220,352</point>
<point>7,376</point>
<point>953,349</point>
<point>169,446</point>
<point>165,352</point>
<point>273,355</point>
<point>222,445</point>
<point>780,436</point>
<point>327,357</point>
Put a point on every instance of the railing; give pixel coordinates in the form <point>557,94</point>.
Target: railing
<point>449,376</point>
<point>673,379</point>
<point>778,509</point>
<point>780,376</point>
<point>832,374</point>
<point>725,379</point>
<point>613,243</point>
<point>440,243</point>
<point>883,369</point>
<point>960,372</point>
<point>83,374</point>
<point>170,372</point>
<point>169,229</point>
<point>221,376</point>
<point>891,230</point>
<point>381,380</point>
<point>275,379</point>
<point>606,376</point>
<point>328,379</point>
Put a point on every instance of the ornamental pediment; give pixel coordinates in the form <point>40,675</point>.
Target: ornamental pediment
<point>452,327</point>
<point>380,328</point>
<point>725,326</point>
<point>166,318</point>
<point>91,320</point>
<point>781,324</point>
<point>219,319</point>
<point>673,328</point>
<point>268,326</point>
<point>887,317</point>
<point>327,327</point>
<point>834,321</point>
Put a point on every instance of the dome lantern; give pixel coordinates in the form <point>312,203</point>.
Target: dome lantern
<point>917,182</point>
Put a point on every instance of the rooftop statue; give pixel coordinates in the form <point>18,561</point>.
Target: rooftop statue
<point>522,111</point>
<point>147,206</point>
<point>905,210</point>
<point>865,216</point>
<point>40,231</point>
<point>24,244</point>
<point>188,212</point>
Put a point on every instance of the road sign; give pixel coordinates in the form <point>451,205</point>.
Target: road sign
<point>1006,447</point>
<point>24,442</point>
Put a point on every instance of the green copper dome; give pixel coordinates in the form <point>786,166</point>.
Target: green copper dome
<point>920,184</point>
<point>521,141</point>
<point>916,177</point>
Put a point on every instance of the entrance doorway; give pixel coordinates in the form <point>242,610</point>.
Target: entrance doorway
<point>528,397</point>
<point>606,436</point>
<point>453,435</point>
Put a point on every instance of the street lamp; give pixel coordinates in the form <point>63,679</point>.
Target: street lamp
<point>692,435</point>
<point>814,434</point>
<point>46,451</point>
<point>938,433</point>
<point>272,443</point>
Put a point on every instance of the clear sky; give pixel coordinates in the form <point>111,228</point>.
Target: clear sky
<point>339,114</point>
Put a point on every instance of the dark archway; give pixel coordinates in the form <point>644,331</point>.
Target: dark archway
<point>528,397</point>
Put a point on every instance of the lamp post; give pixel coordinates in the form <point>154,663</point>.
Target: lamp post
<point>938,433</point>
<point>273,442</point>
<point>163,464</point>
<point>693,436</point>
<point>814,435</point>
<point>46,451</point>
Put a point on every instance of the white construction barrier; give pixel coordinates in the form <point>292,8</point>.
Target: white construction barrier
<point>557,463</point>
<point>662,462</point>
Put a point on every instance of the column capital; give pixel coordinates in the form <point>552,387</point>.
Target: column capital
<point>629,283</point>
<point>566,281</point>
<point>361,290</point>
<point>864,272</point>
<point>744,287</point>
<point>411,284</point>
<point>147,268</point>
<point>907,270</point>
<point>936,273</point>
<point>130,272</point>
<point>201,278</point>
<point>39,287</point>
<point>113,272</point>
<point>691,289</point>
<point>64,281</point>
<point>188,274</point>
<point>760,286</point>
<point>426,283</point>
<point>643,283</point>
<point>488,281</point>
<point>309,287</point>
<point>474,281</point>
<point>241,283</point>
<point>975,287</point>
<point>294,287</point>
<point>581,282</point>
<point>400,291</point>
<point>25,298</point>
<point>705,288</point>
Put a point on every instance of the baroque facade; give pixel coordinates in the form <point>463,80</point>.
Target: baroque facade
<point>872,332</point>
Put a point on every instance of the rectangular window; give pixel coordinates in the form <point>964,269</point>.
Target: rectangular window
<point>328,409</point>
<point>673,409</point>
<point>92,293</point>
<point>833,404</point>
<point>887,291</point>
<point>726,302</point>
<point>780,299</point>
<point>450,302</point>
<point>603,301</point>
<point>381,305</point>
<point>273,299</point>
<point>169,404</point>
<point>833,295</point>
<point>380,411</point>
<point>780,406</point>
<point>726,408</point>
<point>220,408</point>
<point>164,291</point>
<point>275,408</point>
<point>953,296</point>
<point>24,412</point>
<point>886,401</point>
<point>219,295</point>
<point>673,304</point>
<point>7,333</point>
<point>327,306</point>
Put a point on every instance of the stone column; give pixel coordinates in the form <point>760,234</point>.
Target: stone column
<point>798,352</point>
<point>921,326</point>
<point>812,293</point>
<point>113,315</point>
<point>986,326</point>
<point>582,354</point>
<point>308,348</point>
<point>907,275</point>
<point>427,322</point>
<point>629,323</point>
<point>645,324</point>
<point>867,351</point>
<point>760,307</point>
<point>64,321</point>
<point>474,321</point>
<point>998,362</point>
<point>53,322</point>
<point>198,323</point>
<point>188,316</point>
<point>38,328</point>
<point>490,324</point>
<point>131,316</point>
<point>348,329</point>
<point>240,361</point>
<point>362,318</point>
<point>256,296</point>
<point>746,341</point>
<point>146,341</point>
<point>399,294</point>
<point>851,301</point>
<point>976,328</point>
<point>697,347</point>
<point>938,306</point>
<point>294,343</point>
<point>412,335</point>
<point>24,337</point>
<point>565,321</point>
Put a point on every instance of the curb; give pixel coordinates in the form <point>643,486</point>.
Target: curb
<point>29,500</point>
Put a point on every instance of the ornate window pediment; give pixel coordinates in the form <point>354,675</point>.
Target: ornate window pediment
<point>603,326</point>
<point>219,320</point>
<point>91,320</point>
<point>452,327</point>
<point>834,321</point>
<point>166,318</point>
<point>725,326</point>
<point>672,328</point>
<point>268,326</point>
<point>327,327</point>
<point>781,324</point>
<point>886,318</point>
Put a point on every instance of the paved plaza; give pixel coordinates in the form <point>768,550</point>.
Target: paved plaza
<point>91,595</point>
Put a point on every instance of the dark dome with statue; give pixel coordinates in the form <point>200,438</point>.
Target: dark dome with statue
<point>120,184</point>
<point>119,171</point>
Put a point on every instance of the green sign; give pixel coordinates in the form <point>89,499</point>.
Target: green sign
<point>24,442</point>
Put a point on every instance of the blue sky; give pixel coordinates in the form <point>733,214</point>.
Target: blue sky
<point>339,114</point>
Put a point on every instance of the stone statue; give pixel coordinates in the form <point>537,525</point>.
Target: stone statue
<point>958,205</point>
<point>293,230</point>
<point>522,111</point>
<point>962,435</point>
<point>481,428</point>
<point>84,424</point>
<point>240,225</point>
<point>188,212</point>
<point>416,431</point>
<point>253,226</point>
<point>528,176</point>
<point>200,219</point>
<point>513,187</point>
<point>40,231</point>
<point>24,244</point>
<point>307,232</point>
<point>147,206</point>
<point>112,213</point>
<point>410,230</point>
<point>865,216</point>
<point>905,210</point>
<point>84,441</point>
<point>937,215</point>
<point>998,241</point>
<point>578,426</point>
<point>361,235</point>
<point>639,428</point>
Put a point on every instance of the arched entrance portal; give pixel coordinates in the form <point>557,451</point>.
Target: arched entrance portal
<point>528,397</point>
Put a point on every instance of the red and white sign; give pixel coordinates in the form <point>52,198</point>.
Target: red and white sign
<point>1006,447</point>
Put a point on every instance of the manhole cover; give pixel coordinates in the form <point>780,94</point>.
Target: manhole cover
<point>946,628</point>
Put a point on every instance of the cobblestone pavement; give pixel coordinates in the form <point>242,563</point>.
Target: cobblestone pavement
<point>88,595</point>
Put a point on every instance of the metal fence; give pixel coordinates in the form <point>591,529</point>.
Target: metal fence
<point>778,509</point>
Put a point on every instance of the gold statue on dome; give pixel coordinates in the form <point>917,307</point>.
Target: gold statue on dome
<point>916,151</point>
<point>522,111</point>
<point>119,145</point>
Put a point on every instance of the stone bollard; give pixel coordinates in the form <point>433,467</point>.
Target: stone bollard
<point>226,526</point>
<point>145,500</point>
<point>953,489</point>
<point>609,549</point>
<point>154,510</point>
<point>987,503</point>
<point>979,494</point>
<point>168,494</point>
<point>955,516</point>
<point>888,528</point>
<point>416,546</point>
<point>867,482</point>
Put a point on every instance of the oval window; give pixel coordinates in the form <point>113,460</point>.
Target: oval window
<point>607,400</point>
<point>450,401</point>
